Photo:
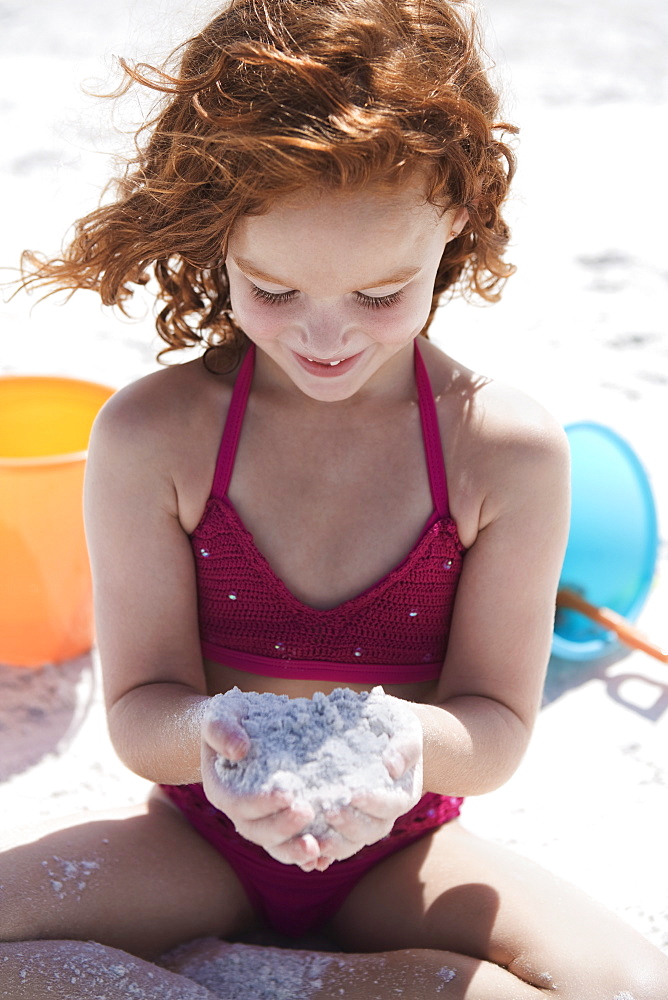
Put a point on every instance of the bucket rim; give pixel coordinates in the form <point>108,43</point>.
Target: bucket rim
<point>62,458</point>
<point>607,643</point>
<point>28,461</point>
<point>55,377</point>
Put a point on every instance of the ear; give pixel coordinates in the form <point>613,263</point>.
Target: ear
<point>460,218</point>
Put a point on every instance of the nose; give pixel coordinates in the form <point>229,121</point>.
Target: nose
<point>325,333</point>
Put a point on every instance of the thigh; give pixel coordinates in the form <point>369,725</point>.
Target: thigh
<point>456,892</point>
<point>139,879</point>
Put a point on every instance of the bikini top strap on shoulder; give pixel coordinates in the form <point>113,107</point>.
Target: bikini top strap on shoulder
<point>235,416</point>
<point>431,436</point>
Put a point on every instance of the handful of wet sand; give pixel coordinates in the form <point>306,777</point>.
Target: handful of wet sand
<point>323,749</point>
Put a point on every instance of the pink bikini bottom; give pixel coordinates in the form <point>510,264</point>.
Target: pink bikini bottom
<point>292,901</point>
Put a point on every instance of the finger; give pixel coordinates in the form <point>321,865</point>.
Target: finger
<point>347,822</point>
<point>353,828</point>
<point>336,847</point>
<point>402,754</point>
<point>220,790</point>
<point>277,829</point>
<point>223,731</point>
<point>405,747</point>
<point>388,804</point>
<point>262,806</point>
<point>395,762</point>
<point>302,851</point>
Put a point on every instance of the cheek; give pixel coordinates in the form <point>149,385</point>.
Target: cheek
<point>258,320</point>
<point>387,326</point>
<point>400,322</point>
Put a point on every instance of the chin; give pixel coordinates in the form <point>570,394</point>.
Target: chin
<point>329,393</point>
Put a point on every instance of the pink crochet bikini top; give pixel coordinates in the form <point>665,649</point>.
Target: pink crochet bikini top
<point>394,632</point>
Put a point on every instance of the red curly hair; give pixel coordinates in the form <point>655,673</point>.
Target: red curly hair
<point>276,95</point>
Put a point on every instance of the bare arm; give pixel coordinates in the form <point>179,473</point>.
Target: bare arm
<point>490,689</point>
<point>144,585</point>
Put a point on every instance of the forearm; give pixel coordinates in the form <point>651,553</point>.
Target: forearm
<point>472,745</point>
<point>156,731</point>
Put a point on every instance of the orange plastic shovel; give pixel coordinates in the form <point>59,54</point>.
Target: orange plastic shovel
<point>625,631</point>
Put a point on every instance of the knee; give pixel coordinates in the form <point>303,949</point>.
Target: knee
<point>26,905</point>
<point>639,978</point>
<point>640,974</point>
<point>15,897</point>
<point>647,982</point>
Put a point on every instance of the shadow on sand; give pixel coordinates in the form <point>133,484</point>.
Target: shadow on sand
<point>639,692</point>
<point>39,709</point>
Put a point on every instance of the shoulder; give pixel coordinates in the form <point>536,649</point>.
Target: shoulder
<point>526,452</point>
<point>160,432</point>
<point>490,415</point>
<point>162,399</point>
<point>159,414</point>
<point>501,445</point>
<point>511,422</point>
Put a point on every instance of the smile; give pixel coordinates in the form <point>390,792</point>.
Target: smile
<point>325,367</point>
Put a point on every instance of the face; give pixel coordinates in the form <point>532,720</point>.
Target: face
<point>333,287</point>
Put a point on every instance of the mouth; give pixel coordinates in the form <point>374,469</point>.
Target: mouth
<point>327,367</point>
<point>331,364</point>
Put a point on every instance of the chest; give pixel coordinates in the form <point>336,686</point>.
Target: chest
<point>332,506</point>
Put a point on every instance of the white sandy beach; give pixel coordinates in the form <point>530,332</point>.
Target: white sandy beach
<point>582,327</point>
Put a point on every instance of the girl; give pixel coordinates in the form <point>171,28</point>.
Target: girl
<point>322,499</point>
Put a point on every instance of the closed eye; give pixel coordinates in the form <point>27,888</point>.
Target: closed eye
<point>378,301</point>
<point>368,301</point>
<point>275,297</point>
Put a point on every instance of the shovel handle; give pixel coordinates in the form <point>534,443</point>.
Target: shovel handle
<point>628,633</point>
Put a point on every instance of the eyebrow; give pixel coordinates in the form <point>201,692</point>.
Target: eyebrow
<point>396,278</point>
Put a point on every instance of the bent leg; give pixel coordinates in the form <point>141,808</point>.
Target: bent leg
<point>456,893</point>
<point>226,970</point>
<point>75,970</point>
<point>140,879</point>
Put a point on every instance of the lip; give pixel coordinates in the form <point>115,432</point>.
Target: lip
<point>322,369</point>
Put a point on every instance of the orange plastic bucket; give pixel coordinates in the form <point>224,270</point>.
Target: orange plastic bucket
<point>46,605</point>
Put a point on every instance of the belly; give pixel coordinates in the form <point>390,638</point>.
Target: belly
<point>221,678</point>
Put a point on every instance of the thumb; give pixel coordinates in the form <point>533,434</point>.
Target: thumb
<point>222,726</point>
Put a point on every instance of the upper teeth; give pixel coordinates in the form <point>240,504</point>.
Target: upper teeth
<point>330,363</point>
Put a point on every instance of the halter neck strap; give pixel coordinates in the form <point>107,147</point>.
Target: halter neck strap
<point>428,418</point>
<point>431,436</point>
<point>235,416</point>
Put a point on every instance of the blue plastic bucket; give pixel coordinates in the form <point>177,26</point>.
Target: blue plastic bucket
<point>613,539</point>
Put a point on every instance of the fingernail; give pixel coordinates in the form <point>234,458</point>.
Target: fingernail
<point>236,749</point>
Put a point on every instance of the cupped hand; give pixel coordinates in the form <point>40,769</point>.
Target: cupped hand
<point>274,819</point>
<point>403,753</point>
<point>371,814</point>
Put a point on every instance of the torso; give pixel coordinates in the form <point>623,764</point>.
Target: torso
<point>378,499</point>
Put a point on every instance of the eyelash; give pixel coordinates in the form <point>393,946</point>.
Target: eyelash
<point>367,301</point>
<point>275,297</point>
<point>371,302</point>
